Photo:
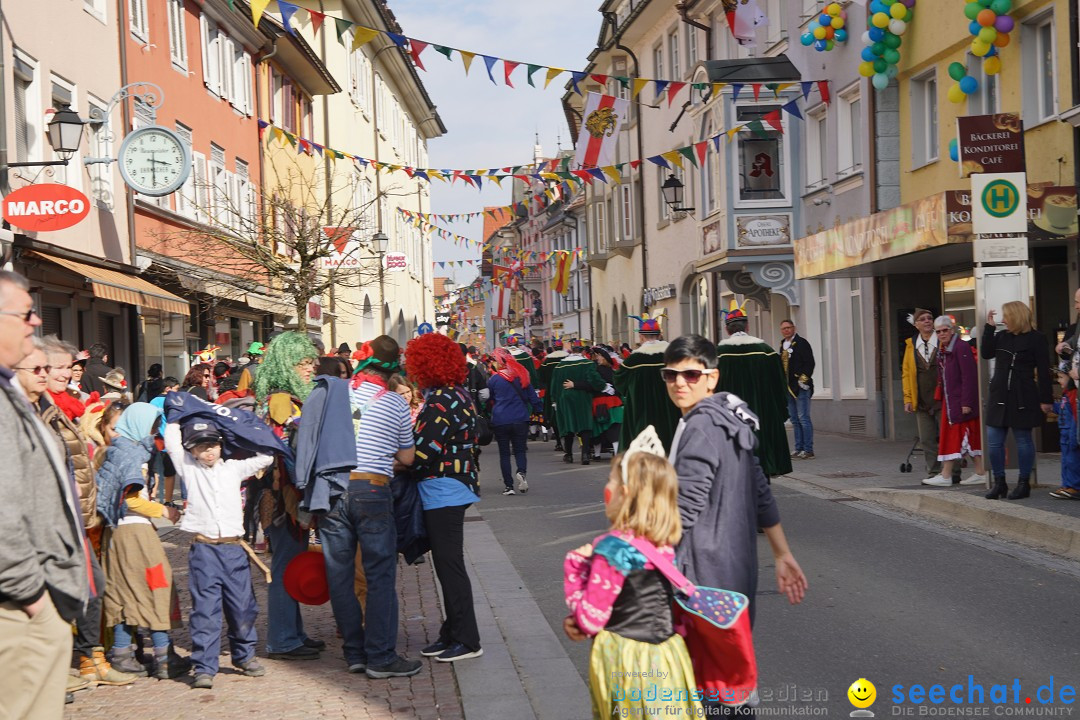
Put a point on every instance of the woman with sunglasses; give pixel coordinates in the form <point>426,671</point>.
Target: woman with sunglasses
<point>197,381</point>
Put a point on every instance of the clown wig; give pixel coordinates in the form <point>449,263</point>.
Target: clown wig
<point>434,360</point>
<point>277,372</point>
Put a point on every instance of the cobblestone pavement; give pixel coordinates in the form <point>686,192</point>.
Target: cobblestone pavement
<point>290,689</point>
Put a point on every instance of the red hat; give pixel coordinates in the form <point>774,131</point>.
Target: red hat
<point>305,579</point>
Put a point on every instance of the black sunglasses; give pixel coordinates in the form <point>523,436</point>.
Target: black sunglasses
<point>690,376</point>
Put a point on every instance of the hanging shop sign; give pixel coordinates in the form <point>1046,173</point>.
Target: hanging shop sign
<point>710,238</point>
<point>759,230</point>
<point>991,144</point>
<point>999,203</point>
<point>396,262</point>
<point>344,251</point>
<point>651,296</point>
<point>442,319</point>
<point>45,207</point>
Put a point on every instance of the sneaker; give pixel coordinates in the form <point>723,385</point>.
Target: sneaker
<point>457,651</point>
<point>509,491</point>
<point>251,668</point>
<point>400,667</point>
<point>797,455</point>
<point>522,484</point>
<point>807,455</point>
<point>301,652</point>
<point>974,479</point>
<point>203,682</point>
<point>938,481</point>
<point>1065,493</point>
<point>436,648</point>
<point>357,668</point>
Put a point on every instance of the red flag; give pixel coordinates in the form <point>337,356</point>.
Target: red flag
<point>508,67</point>
<point>415,48</point>
<point>673,90</point>
<point>757,90</point>
<point>773,119</point>
<point>823,88</point>
<point>316,20</point>
<point>702,148</point>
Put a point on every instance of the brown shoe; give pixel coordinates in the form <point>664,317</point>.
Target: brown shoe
<point>97,669</point>
<point>75,683</point>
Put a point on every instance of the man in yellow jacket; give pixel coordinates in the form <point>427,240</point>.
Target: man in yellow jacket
<point>920,379</point>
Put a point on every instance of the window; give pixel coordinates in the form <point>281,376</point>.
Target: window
<point>775,27</point>
<point>627,206</point>
<point>1037,50</point>
<point>857,376</point>
<point>211,55</point>
<point>200,189</point>
<point>177,34</point>
<point>691,46</point>
<point>245,197</point>
<point>276,81</point>
<point>380,104</point>
<point>599,227</point>
<point>285,99</point>
<point>306,128</point>
<point>673,50</point>
<point>924,119</point>
<point>986,100</point>
<point>360,80</point>
<point>762,159</point>
<point>29,126</point>
<point>823,367</point>
<point>219,190</point>
<point>817,147</point>
<point>658,65</point>
<point>99,145</point>
<point>185,197</point>
<point>849,130</point>
<point>137,11</point>
<point>97,8</point>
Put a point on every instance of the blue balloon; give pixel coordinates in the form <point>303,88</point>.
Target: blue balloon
<point>969,85</point>
<point>840,36</point>
<point>876,7</point>
<point>881,81</point>
<point>807,39</point>
<point>877,34</point>
<point>974,28</point>
<point>867,54</point>
<point>993,51</point>
<point>820,45</point>
<point>824,20</point>
<point>954,153</point>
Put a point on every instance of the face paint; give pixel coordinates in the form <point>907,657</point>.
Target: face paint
<point>607,495</point>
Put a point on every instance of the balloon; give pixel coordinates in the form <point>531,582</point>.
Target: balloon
<point>957,71</point>
<point>899,11</point>
<point>867,54</point>
<point>892,71</point>
<point>821,45</point>
<point>898,27</point>
<point>807,39</point>
<point>1001,7</point>
<point>876,34</point>
<point>824,20</point>
<point>991,65</point>
<point>1002,40</point>
<point>880,66</point>
<point>956,95</point>
<point>880,81</point>
<point>837,23</point>
<point>866,69</point>
<point>819,33</point>
<point>892,41</point>
<point>974,28</point>
<point>1004,24</point>
<point>979,48</point>
<point>971,10</point>
<point>866,39</point>
<point>841,35</point>
<point>880,20</point>
<point>985,3</point>
<point>954,150</point>
<point>986,18</point>
<point>829,33</point>
<point>878,48</point>
<point>969,85</point>
<point>833,9</point>
<point>891,56</point>
<point>830,44</point>
<point>988,35</point>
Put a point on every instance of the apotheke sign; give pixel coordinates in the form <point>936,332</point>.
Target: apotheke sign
<point>45,207</point>
<point>758,230</point>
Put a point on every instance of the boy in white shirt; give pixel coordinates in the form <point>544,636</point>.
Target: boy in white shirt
<point>219,573</point>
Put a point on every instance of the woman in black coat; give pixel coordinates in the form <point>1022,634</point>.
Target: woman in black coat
<point>1021,356</point>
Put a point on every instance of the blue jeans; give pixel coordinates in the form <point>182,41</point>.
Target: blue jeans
<point>284,626</point>
<point>123,637</point>
<point>799,412</point>
<point>364,515</point>
<point>995,448</point>
<point>515,434</point>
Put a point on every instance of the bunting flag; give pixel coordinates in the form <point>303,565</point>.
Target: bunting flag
<point>501,305</point>
<point>258,7</point>
<point>603,116</point>
<point>560,283</point>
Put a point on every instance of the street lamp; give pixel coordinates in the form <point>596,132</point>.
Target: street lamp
<point>380,242</point>
<point>449,285</point>
<point>673,194</point>
<point>64,133</point>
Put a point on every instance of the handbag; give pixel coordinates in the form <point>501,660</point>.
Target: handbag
<point>715,624</point>
<point>484,432</point>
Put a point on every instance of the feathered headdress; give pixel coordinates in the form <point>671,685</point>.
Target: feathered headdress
<point>735,313</point>
<point>913,316</point>
<point>207,354</point>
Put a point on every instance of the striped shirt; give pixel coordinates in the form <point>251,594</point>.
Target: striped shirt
<point>383,425</point>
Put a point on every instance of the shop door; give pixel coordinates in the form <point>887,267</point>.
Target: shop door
<point>1053,306</point>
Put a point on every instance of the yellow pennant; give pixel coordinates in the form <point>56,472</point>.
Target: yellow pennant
<point>361,36</point>
<point>717,87</point>
<point>495,179</point>
<point>549,176</point>
<point>673,156</point>
<point>639,85</point>
<point>552,73</point>
<point>781,88</point>
<point>466,59</point>
<point>612,172</point>
<point>733,132</point>
<point>257,8</point>
<point>278,133</point>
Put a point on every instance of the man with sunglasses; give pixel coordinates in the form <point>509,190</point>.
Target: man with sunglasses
<point>752,370</point>
<point>45,572</point>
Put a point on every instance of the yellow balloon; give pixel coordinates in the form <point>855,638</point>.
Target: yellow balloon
<point>819,33</point>
<point>866,69</point>
<point>833,9</point>
<point>956,95</point>
<point>880,20</point>
<point>979,48</point>
<point>898,10</point>
<point>992,65</point>
<point>837,23</point>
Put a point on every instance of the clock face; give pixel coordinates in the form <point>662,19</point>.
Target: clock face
<point>154,161</point>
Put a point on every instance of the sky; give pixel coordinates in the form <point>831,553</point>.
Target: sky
<point>488,125</point>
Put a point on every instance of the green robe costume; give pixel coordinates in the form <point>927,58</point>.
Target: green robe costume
<point>525,358</point>
<point>645,397</point>
<point>751,369</point>
<point>573,408</point>
<point>547,368</point>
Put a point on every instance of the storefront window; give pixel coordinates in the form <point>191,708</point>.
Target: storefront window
<point>761,158</point>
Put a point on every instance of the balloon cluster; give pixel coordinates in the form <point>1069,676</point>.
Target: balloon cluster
<point>889,20</point>
<point>990,26</point>
<point>964,84</point>
<point>829,29</point>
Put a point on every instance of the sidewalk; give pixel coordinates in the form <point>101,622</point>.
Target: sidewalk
<point>869,469</point>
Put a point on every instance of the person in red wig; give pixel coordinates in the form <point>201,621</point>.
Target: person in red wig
<point>514,400</point>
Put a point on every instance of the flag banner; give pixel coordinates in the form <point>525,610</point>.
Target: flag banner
<point>501,302</point>
<point>560,283</point>
<point>604,115</point>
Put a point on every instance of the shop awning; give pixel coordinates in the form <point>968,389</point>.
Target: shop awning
<point>121,287</point>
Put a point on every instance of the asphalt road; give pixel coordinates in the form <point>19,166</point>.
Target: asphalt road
<point>893,598</point>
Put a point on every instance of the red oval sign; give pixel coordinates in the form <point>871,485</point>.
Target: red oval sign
<point>45,207</point>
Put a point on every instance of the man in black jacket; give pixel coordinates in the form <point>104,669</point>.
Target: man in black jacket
<point>97,367</point>
<point>798,359</point>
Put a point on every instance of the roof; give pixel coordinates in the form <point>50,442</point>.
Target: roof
<point>440,286</point>
<point>492,224</point>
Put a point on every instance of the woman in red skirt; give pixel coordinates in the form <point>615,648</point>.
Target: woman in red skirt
<point>958,386</point>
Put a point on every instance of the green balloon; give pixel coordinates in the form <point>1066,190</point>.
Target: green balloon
<point>957,71</point>
<point>985,3</point>
<point>878,48</point>
<point>892,41</point>
<point>891,56</point>
<point>880,66</point>
<point>972,10</point>
<point>1001,7</point>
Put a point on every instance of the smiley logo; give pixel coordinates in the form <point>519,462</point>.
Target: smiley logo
<point>862,693</point>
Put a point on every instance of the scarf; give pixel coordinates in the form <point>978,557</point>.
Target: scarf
<point>512,368</point>
<point>362,377</point>
<point>68,404</point>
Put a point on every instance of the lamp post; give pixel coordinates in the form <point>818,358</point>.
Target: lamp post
<point>380,242</point>
<point>64,132</point>
<point>672,190</point>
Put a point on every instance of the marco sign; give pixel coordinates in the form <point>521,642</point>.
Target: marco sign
<point>45,207</point>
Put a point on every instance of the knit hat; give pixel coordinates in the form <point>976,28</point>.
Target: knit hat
<point>382,353</point>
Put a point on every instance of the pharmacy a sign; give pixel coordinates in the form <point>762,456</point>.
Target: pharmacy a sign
<point>999,203</point>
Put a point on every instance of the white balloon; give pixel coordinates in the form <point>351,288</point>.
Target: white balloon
<point>897,27</point>
<point>866,38</point>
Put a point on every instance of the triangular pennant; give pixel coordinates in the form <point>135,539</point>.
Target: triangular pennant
<point>701,148</point>
<point>361,36</point>
<point>736,88</point>
<point>673,156</point>
<point>598,174</point>
<point>823,88</point>
<point>415,48</point>
<point>575,78</point>
<point>342,27</point>
<point>806,86</point>
<point>673,90</point>
<point>634,164</point>
<point>443,50</point>
<point>792,108</point>
<point>773,119</point>
<point>466,59</point>
<point>490,63</point>
<point>399,40</point>
<point>287,10</point>
<point>508,67</point>
<point>552,73</point>
<point>661,85</point>
<point>757,91</point>
<point>532,69</point>
<point>733,132</point>
<point>757,128</point>
<point>774,87</point>
<point>600,79</point>
<point>716,142</point>
<point>639,85</point>
<point>257,8</point>
<point>688,153</point>
<point>657,160</point>
<point>317,19</point>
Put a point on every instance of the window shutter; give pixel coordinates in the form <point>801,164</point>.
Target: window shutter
<point>199,190</point>
<point>204,45</point>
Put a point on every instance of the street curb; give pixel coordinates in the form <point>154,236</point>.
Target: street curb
<point>524,671</point>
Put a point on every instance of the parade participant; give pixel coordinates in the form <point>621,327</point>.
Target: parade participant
<point>557,355</point>
<point>513,400</point>
<point>618,597</point>
<point>218,572</point>
<point>920,380</point>
<point>516,345</point>
<point>752,370</point>
<point>573,383</point>
<point>724,497</point>
<point>608,408</point>
<point>642,390</point>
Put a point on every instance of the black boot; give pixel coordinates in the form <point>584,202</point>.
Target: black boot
<point>1022,489</point>
<point>999,490</point>
<point>586,454</point>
